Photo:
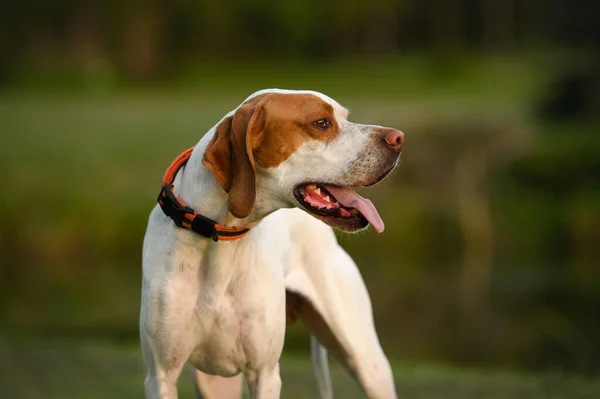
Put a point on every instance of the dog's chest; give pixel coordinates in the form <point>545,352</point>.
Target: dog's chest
<point>219,349</point>
<point>233,335</point>
<point>238,318</point>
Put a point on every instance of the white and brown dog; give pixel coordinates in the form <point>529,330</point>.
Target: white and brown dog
<point>222,305</point>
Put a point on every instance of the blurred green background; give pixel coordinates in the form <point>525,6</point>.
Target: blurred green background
<point>486,282</point>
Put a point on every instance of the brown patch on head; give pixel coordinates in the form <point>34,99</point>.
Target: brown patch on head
<point>264,131</point>
<point>289,123</point>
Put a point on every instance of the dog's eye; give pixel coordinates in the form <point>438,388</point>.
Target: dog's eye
<point>322,124</point>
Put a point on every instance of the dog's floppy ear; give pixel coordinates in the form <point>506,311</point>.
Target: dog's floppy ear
<point>246,128</point>
<point>217,156</point>
<point>229,156</point>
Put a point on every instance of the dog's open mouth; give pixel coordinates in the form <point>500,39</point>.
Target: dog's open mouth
<point>338,205</point>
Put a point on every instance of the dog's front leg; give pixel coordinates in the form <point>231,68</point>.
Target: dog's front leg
<point>163,368</point>
<point>264,384</point>
<point>161,384</point>
<point>166,334</point>
<point>343,321</point>
<point>162,375</point>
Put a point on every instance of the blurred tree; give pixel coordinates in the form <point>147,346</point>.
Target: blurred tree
<point>146,39</point>
<point>499,22</point>
<point>142,40</point>
<point>447,25</point>
<point>476,226</point>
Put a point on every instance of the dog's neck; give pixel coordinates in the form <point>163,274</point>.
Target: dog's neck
<point>196,186</point>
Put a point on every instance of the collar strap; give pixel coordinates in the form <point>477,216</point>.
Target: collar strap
<point>184,216</point>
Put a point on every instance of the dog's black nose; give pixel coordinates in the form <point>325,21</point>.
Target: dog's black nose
<point>393,139</point>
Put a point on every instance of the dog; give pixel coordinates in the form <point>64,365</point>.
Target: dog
<point>328,295</point>
<point>220,252</point>
<point>330,298</point>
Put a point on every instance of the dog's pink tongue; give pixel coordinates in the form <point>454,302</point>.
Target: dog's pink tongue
<point>350,198</point>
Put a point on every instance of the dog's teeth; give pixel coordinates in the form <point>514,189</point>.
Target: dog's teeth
<point>312,186</point>
<point>326,198</point>
<point>318,191</point>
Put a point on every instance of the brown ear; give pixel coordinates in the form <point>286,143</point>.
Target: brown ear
<point>217,156</point>
<point>229,156</point>
<point>246,128</point>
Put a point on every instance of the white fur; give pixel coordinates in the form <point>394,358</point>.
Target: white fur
<point>221,306</point>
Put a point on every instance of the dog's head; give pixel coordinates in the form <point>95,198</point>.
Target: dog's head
<point>285,148</point>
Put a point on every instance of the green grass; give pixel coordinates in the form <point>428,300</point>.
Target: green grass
<point>61,370</point>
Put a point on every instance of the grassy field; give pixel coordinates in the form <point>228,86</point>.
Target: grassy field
<point>90,370</point>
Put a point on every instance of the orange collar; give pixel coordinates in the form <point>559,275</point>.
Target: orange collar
<point>186,217</point>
